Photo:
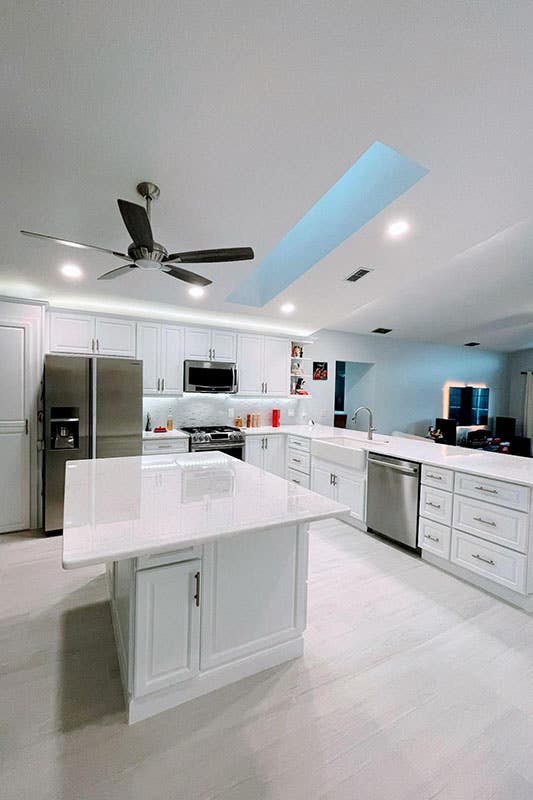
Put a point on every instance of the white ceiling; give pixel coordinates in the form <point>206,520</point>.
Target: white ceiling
<point>245,113</point>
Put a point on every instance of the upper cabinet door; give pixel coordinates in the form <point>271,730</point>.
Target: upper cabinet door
<point>198,344</point>
<point>250,363</point>
<point>148,350</point>
<point>223,346</point>
<point>277,366</point>
<point>171,359</point>
<point>115,337</point>
<point>71,333</point>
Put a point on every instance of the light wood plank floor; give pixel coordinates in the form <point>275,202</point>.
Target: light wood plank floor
<point>413,686</point>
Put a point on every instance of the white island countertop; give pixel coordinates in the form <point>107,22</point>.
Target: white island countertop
<point>117,508</point>
<point>501,466</point>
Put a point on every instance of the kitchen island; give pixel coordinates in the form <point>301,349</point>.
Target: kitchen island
<point>207,566</point>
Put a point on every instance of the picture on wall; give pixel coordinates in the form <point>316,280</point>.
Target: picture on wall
<point>320,370</point>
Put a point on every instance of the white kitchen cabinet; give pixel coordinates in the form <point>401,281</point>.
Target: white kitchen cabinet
<point>160,348</point>
<point>115,337</point>
<point>167,626</point>
<point>82,333</point>
<point>253,594</point>
<point>71,333</point>
<point>250,363</point>
<point>264,365</point>
<point>347,486</point>
<point>267,452</point>
<point>210,344</point>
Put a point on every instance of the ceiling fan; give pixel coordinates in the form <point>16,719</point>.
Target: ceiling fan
<point>145,253</point>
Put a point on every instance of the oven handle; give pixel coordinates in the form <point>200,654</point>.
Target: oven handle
<point>215,446</point>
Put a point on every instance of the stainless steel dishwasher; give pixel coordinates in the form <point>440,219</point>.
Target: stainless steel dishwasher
<point>392,499</point>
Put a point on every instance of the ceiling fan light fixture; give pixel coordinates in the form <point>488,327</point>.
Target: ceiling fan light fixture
<point>147,263</point>
<point>71,271</point>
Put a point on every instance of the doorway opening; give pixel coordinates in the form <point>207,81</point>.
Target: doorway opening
<point>355,383</point>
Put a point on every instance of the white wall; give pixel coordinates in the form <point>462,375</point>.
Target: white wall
<point>359,390</point>
<point>409,377</point>
<point>519,361</point>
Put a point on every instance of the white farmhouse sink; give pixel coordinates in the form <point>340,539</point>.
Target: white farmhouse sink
<point>341,451</point>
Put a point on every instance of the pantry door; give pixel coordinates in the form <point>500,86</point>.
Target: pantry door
<point>14,430</point>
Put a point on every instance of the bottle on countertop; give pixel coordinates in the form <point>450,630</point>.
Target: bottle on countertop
<point>170,421</point>
<point>148,422</point>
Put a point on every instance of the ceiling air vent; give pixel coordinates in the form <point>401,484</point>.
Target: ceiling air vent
<point>382,330</point>
<point>358,274</point>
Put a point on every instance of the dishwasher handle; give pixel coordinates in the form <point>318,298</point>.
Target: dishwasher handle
<point>403,470</point>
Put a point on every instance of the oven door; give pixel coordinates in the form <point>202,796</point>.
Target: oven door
<point>236,450</point>
<point>210,377</point>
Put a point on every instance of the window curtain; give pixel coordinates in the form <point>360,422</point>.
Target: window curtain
<point>528,406</point>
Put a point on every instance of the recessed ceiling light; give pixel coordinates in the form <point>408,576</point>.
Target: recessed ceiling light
<point>398,228</point>
<point>196,291</point>
<point>382,330</point>
<point>472,344</point>
<point>287,308</point>
<point>71,271</point>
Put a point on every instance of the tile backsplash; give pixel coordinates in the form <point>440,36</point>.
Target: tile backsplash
<point>199,409</point>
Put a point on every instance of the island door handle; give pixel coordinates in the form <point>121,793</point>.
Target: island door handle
<point>197,588</point>
<point>485,521</point>
<point>485,560</point>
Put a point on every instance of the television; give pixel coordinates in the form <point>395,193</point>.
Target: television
<point>469,405</point>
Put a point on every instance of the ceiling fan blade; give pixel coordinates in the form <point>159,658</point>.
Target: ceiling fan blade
<point>137,222</point>
<point>116,273</point>
<point>74,244</point>
<point>188,277</point>
<point>210,256</point>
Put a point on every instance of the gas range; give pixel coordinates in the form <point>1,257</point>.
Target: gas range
<point>216,437</point>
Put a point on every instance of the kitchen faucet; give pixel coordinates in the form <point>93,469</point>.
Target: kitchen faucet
<point>371,429</point>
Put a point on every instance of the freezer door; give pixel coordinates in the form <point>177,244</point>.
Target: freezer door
<point>117,393</point>
<point>66,404</point>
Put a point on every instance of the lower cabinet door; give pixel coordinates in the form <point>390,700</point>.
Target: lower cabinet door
<point>254,450</point>
<point>167,626</point>
<point>351,491</point>
<point>322,478</point>
<point>274,455</point>
<point>254,593</point>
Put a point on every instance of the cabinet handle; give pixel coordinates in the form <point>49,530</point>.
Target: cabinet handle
<point>158,384</point>
<point>485,560</point>
<point>331,479</point>
<point>484,489</point>
<point>435,477</point>
<point>295,481</point>
<point>266,443</point>
<point>433,538</point>
<point>98,345</point>
<point>197,592</point>
<point>266,387</point>
<point>485,521</point>
<point>297,460</point>
<point>27,427</point>
<point>162,384</point>
<point>214,353</point>
<point>92,345</point>
<point>433,505</point>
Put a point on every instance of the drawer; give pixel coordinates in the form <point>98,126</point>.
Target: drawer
<point>437,477</point>
<point>299,461</point>
<point>434,537</point>
<point>436,505</point>
<point>298,477</point>
<point>172,557</point>
<point>490,560</point>
<point>299,443</point>
<point>501,525</point>
<point>168,446</point>
<point>510,495</point>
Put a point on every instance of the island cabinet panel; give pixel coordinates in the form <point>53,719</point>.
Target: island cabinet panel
<point>254,594</point>
<point>267,452</point>
<point>167,626</point>
<point>344,485</point>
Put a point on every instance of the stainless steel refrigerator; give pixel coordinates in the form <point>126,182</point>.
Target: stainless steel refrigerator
<point>92,409</point>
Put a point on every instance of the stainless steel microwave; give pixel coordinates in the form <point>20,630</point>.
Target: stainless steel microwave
<point>210,376</point>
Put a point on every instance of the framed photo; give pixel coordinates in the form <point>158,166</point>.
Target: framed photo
<point>320,370</point>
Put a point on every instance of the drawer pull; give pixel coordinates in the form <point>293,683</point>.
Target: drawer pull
<point>433,505</point>
<point>485,521</point>
<point>297,460</point>
<point>435,477</point>
<point>295,481</point>
<point>432,538</point>
<point>485,560</point>
<point>484,489</point>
